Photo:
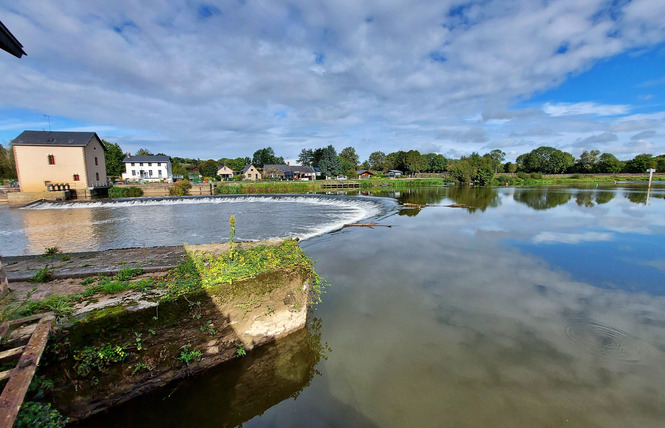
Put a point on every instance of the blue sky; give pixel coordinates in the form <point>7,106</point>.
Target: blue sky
<point>223,79</point>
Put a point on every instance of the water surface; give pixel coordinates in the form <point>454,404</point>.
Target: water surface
<point>532,307</point>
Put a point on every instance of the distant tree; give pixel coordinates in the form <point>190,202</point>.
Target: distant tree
<point>178,168</point>
<point>609,164</point>
<point>329,163</point>
<point>640,163</point>
<point>347,167</point>
<point>660,163</point>
<point>510,167</point>
<point>7,167</point>
<point>365,165</point>
<point>435,162</point>
<point>236,164</point>
<point>306,157</point>
<point>377,161</point>
<point>208,168</point>
<point>265,156</point>
<point>414,162</point>
<point>113,157</point>
<point>546,160</point>
<point>474,168</point>
<point>144,152</point>
<point>497,156</point>
<point>588,162</point>
<point>350,155</point>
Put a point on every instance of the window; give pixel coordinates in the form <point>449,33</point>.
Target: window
<point>159,164</point>
<point>160,172</point>
<point>97,175</point>
<point>133,172</point>
<point>51,160</point>
<point>96,161</point>
<point>149,163</point>
<point>133,164</point>
<point>141,164</point>
<point>76,177</point>
<point>150,173</point>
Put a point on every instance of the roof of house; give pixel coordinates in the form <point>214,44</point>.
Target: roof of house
<point>9,43</point>
<point>396,170</point>
<point>55,138</point>
<point>363,171</point>
<point>282,167</point>
<point>156,158</point>
<point>293,168</point>
<point>301,168</point>
<point>247,167</point>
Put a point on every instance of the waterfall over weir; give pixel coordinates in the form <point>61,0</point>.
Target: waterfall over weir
<point>100,225</point>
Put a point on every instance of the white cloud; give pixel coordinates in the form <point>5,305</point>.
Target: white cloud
<point>347,73</point>
<point>570,109</point>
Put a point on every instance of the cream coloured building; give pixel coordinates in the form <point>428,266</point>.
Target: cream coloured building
<point>47,160</point>
<point>251,173</point>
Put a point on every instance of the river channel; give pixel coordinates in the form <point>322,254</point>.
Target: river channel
<point>500,307</point>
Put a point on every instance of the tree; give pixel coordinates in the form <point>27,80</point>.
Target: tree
<point>236,164</point>
<point>608,163</point>
<point>349,154</point>
<point>306,157</point>
<point>435,162</point>
<point>347,167</point>
<point>640,163</point>
<point>474,168</point>
<point>546,160</point>
<point>414,162</point>
<point>587,162</point>
<point>7,167</point>
<point>209,168</point>
<point>497,156</point>
<point>264,157</point>
<point>144,152</point>
<point>377,161</point>
<point>113,157</point>
<point>329,164</point>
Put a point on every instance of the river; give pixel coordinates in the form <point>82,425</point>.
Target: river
<point>524,307</point>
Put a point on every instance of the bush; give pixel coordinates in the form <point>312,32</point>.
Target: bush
<point>522,175</point>
<point>125,192</point>
<point>180,188</point>
<point>537,175</point>
<point>34,414</point>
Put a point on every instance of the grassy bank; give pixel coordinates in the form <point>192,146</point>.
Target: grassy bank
<point>577,179</point>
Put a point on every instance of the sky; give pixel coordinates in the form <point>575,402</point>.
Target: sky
<point>226,78</point>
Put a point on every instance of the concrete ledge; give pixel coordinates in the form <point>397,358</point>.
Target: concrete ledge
<point>20,199</point>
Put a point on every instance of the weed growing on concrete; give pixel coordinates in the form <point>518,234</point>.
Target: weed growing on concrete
<point>50,252</point>
<point>209,328</point>
<point>128,273</point>
<point>99,357</point>
<point>141,366</point>
<point>89,280</point>
<point>139,346</point>
<point>42,275</point>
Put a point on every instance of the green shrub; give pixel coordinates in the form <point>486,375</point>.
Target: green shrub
<point>536,175</point>
<point>129,273</point>
<point>42,275</point>
<point>180,188</point>
<point>34,414</point>
<point>125,192</point>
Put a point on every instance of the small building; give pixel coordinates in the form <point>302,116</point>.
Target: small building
<point>251,173</point>
<point>364,173</point>
<point>49,160</point>
<point>225,172</point>
<point>394,173</point>
<point>289,172</point>
<point>147,168</point>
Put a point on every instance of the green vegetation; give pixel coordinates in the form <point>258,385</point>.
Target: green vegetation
<point>267,187</point>
<point>240,349</point>
<point>180,188</point>
<point>99,357</point>
<point>188,355</point>
<point>51,252</point>
<point>42,275</point>
<point>36,414</point>
<point>125,192</point>
<point>128,273</point>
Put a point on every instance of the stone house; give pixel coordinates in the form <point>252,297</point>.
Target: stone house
<point>225,172</point>
<point>49,160</point>
<point>251,173</point>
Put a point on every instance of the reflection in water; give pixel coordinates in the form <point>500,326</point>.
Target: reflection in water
<point>542,198</point>
<point>231,394</point>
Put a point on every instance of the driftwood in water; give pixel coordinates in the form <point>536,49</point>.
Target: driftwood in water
<point>410,205</point>
<point>370,225</point>
<point>419,206</point>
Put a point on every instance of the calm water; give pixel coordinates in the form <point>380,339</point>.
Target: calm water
<point>538,307</point>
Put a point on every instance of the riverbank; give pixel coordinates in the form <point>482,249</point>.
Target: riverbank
<point>120,333</point>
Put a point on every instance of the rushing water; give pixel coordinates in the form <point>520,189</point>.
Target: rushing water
<point>532,307</point>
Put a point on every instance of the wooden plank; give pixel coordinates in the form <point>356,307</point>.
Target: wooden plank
<point>5,375</point>
<point>11,353</point>
<point>14,392</point>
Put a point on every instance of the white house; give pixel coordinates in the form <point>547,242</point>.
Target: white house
<point>147,168</point>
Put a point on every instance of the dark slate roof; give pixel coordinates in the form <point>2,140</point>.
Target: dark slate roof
<point>248,166</point>
<point>283,168</point>
<point>159,158</point>
<point>301,168</point>
<point>362,171</point>
<point>9,43</point>
<point>55,138</point>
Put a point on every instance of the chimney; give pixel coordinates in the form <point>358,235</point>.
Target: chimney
<point>128,154</point>
<point>288,163</point>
